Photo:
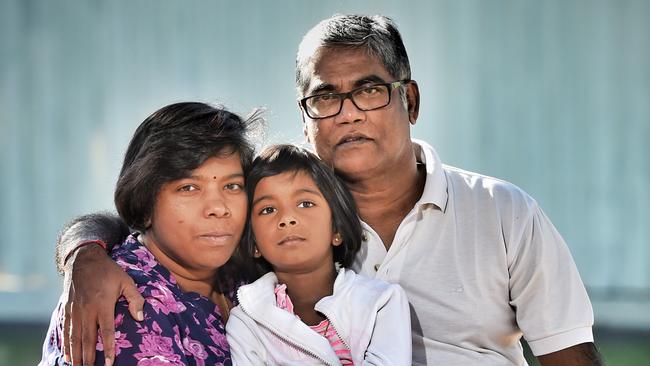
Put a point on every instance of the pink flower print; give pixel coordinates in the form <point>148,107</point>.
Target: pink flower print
<point>159,361</point>
<point>119,319</point>
<point>219,338</point>
<point>145,258</point>
<point>177,337</point>
<point>211,319</point>
<point>120,342</point>
<point>155,345</point>
<point>196,349</point>
<point>195,319</point>
<point>162,299</point>
<point>156,328</point>
<point>216,351</point>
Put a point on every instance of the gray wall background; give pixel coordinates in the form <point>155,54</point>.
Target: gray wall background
<point>553,96</point>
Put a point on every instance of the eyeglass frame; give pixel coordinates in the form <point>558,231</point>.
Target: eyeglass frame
<point>348,95</point>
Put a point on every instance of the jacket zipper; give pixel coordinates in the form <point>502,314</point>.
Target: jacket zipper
<point>291,342</point>
<point>339,335</point>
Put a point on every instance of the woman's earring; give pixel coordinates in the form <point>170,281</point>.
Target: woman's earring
<point>257,253</point>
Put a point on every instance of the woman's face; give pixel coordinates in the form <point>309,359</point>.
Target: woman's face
<point>197,221</point>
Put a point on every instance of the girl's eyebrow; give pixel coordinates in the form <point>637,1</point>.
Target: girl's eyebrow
<point>301,190</point>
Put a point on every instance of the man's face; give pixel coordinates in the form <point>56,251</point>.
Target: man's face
<point>358,144</point>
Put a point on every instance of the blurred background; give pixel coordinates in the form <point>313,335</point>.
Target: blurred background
<point>553,96</point>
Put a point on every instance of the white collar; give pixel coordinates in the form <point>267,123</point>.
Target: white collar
<point>435,186</point>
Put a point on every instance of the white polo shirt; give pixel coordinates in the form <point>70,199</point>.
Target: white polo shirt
<point>481,265</point>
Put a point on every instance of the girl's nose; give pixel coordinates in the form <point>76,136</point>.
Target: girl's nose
<point>287,221</point>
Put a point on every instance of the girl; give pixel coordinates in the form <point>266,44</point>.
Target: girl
<point>181,188</point>
<point>303,221</point>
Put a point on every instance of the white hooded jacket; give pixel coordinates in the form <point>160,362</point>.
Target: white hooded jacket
<point>371,317</point>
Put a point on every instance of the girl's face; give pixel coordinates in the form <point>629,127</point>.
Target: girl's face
<point>197,221</point>
<point>292,223</point>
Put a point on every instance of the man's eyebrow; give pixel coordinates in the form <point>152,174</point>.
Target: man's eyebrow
<point>370,79</point>
<point>330,88</point>
<point>322,88</point>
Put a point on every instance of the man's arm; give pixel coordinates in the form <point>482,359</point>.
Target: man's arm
<point>96,226</point>
<point>92,285</point>
<point>584,354</point>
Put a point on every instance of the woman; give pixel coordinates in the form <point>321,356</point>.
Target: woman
<point>181,188</point>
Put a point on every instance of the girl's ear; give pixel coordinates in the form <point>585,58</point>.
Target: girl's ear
<point>337,239</point>
<point>257,253</point>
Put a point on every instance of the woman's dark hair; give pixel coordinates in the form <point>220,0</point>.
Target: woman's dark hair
<point>280,159</point>
<point>171,143</point>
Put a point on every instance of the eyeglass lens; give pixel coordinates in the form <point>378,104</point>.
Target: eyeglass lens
<point>366,98</point>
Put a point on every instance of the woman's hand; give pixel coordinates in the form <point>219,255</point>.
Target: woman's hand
<point>93,283</point>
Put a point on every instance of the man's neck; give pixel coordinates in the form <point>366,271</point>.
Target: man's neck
<point>384,200</point>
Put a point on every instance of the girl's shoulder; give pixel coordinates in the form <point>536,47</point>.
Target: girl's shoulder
<point>354,284</point>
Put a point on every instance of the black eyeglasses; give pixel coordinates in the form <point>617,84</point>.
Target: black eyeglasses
<point>366,98</point>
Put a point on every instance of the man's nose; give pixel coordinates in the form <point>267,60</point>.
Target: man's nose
<point>349,113</point>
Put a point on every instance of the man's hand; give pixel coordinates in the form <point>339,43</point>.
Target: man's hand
<point>93,283</point>
<point>584,354</point>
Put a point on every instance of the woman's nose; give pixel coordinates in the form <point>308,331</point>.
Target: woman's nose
<point>216,207</point>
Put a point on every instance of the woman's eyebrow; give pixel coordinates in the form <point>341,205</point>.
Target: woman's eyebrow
<point>200,177</point>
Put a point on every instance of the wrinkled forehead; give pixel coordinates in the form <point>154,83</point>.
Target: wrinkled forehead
<point>341,68</point>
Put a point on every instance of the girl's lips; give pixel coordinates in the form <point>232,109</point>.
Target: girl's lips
<point>291,239</point>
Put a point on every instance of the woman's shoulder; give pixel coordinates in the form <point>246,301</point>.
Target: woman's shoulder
<point>139,263</point>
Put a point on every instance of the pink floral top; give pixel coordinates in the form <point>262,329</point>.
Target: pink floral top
<point>179,328</point>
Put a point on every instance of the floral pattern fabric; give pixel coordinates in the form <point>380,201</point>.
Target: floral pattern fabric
<point>179,328</point>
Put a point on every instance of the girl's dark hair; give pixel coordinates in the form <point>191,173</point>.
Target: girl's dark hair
<point>171,143</point>
<point>280,159</point>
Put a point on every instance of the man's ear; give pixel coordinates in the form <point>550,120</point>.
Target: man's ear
<point>304,123</point>
<point>413,101</point>
<point>304,131</point>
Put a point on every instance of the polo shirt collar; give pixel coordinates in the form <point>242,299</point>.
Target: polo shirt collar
<point>435,186</point>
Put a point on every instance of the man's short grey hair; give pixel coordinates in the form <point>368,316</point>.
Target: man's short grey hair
<point>376,34</point>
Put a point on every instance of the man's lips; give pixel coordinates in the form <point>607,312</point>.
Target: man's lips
<point>291,239</point>
<point>353,138</point>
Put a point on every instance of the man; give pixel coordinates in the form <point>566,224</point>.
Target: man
<point>479,260</point>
